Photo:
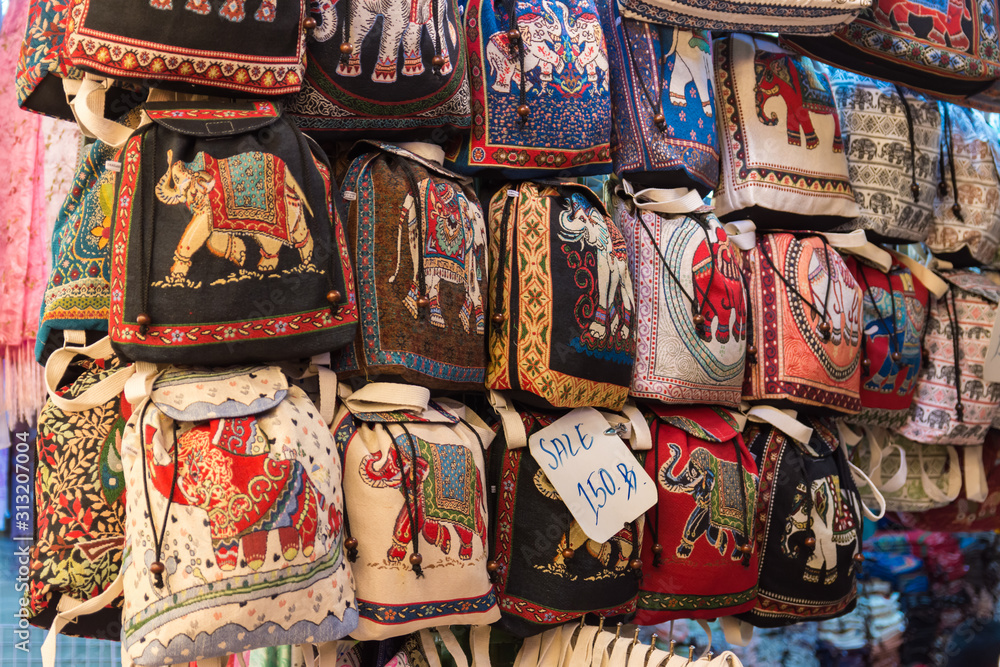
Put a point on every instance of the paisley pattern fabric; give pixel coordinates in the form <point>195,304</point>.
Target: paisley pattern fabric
<point>808,335</point>
<point>884,163</point>
<point>677,360</point>
<point>963,318</point>
<point>558,74</point>
<point>245,514</point>
<point>783,162</point>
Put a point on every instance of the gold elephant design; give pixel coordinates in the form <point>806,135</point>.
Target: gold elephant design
<point>250,194</point>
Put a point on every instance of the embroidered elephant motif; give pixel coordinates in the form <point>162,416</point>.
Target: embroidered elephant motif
<point>842,306</point>
<point>449,494</point>
<point>250,194</point>
<point>803,91</point>
<point>403,23</point>
<point>451,246</point>
<point>714,257</point>
<point>610,325</point>
<point>863,147</point>
<point>718,493</point>
<point>692,64</point>
<point>541,44</point>
<point>947,23</point>
<point>906,339</point>
<point>820,511</point>
<point>218,466</point>
<point>231,10</point>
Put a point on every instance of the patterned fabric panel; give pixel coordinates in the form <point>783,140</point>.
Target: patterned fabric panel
<point>884,164</point>
<point>813,17</point>
<point>782,150</point>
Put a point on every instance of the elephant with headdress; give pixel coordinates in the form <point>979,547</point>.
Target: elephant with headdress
<point>821,512</point>
<point>802,89</point>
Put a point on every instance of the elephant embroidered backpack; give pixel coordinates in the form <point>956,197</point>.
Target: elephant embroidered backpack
<point>892,138</point>
<point>698,560</point>
<point>418,240</point>
<point>196,43</point>
<point>953,404</point>
<point>690,300</point>
<point>804,346</point>
<point>228,245</point>
<point>546,570</point>
<point>562,324</point>
<point>349,91</point>
<point>783,162</point>
<point>541,99</point>
<point>662,103</point>
<point>235,537</point>
<point>967,212</point>
<point>414,486</point>
<point>892,332</point>
<point>808,524</point>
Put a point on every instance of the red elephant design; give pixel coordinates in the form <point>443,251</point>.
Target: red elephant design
<point>246,494</point>
<point>715,266</point>
<point>450,493</point>
<point>947,23</point>
<point>803,90</point>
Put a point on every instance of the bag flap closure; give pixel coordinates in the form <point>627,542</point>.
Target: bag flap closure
<point>984,284</point>
<point>435,413</point>
<point>368,144</point>
<point>709,423</point>
<point>198,394</point>
<point>213,119</point>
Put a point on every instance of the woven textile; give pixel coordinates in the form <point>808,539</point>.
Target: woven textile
<point>892,138</point>
<point>783,162</point>
<point>817,17</point>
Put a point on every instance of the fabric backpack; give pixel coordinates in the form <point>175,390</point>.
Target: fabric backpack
<point>953,405</point>
<point>662,103</point>
<point>783,162</point>
<point>698,561</point>
<point>815,17</point>
<point>967,212</point>
<point>547,571</point>
<point>418,532</point>
<point>79,494</point>
<point>808,521</point>
<point>235,536</point>
<point>944,48</point>
<point>805,325</point>
<point>562,305</point>
<point>359,94</point>
<point>690,299</point>
<point>228,247</point>
<point>541,99</point>
<point>892,138</point>
<point>192,44</point>
<point>892,330</point>
<point>403,201</point>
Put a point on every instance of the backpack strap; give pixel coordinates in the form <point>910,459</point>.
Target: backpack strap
<point>783,420</point>
<point>742,233</point>
<point>388,397</point>
<point>88,108</point>
<point>857,473</point>
<point>934,284</point>
<point>954,477</point>
<point>479,637</point>
<point>513,427</point>
<point>856,243</point>
<point>97,395</point>
<point>70,609</point>
<point>976,485</point>
<point>674,201</point>
<point>601,644</point>
<point>736,632</point>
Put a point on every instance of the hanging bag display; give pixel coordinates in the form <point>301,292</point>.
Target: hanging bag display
<point>662,104</point>
<point>811,17</point>
<point>783,162</point>
<point>805,325</point>
<point>562,306</point>
<point>892,139</point>
<point>433,285</point>
<point>953,404</point>
<point>967,211</point>
<point>416,505</point>
<point>698,559</point>
<point>691,314</point>
<point>198,43</point>
<point>228,245</point>
<point>541,100</point>
<point>360,88</point>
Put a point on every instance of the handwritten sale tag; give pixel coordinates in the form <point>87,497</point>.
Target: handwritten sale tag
<point>599,479</point>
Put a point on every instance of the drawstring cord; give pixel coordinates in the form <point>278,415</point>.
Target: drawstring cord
<point>438,60</point>
<point>345,44</point>
<point>747,547</point>
<point>654,526</point>
<point>412,504</point>
<point>894,352</point>
<point>145,217</point>
<point>948,141</point>
<point>157,568</point>
<point>845,474</point>
<point>914,187</point>
<point>515,42</point>
<point>498,316</point>
<point>657,107</point>
<point>953,320</point>
<point>824,327</point>
<point>751,353</point>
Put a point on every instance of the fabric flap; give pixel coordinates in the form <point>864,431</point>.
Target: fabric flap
<point>980,284</point>
<point>434,414</point>
<point>213,119</point>
<point>368,144</point>
<point>712,424</point>
<point>199,394</point>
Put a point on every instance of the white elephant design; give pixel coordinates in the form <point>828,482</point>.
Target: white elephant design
<point>541,39</point>
<point>692,64</point>
<point>452,242</point>
<point>403,22</point>
<point>249,194</point>
<point>580,222</point>
<point>822,512</point>
<point>589,50</point>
